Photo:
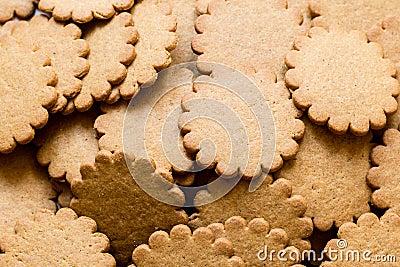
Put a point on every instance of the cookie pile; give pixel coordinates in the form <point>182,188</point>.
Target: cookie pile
<point>327,70</point>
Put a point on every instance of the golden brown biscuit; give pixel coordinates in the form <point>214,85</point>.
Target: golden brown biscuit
<point>352,14</point>
<point>248,239</point>
<point>66,143</point>
<point>273,202</point>
<point>83,11</point>
<point>26,82</point>
<point>329,172</point>
<point>243,34</point>
<point>372,240</point>
<point>67,52</point>
<point>21,8</point>
<point>25,188</point>
<point>111,50</point>
<point>123,211</point>
<point>384,176</point>
<point>333,72</point>
<point>60,239</point>
<point>156,26</point>
<point>288,128</point>
<point>182,248</point>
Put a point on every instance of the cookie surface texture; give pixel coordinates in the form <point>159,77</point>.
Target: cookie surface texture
<point>61,42</point>
<point>329,172</point>
<point>123,211</point>
<point>182,248</point>
<point>327,78</point>
<point>25,188</point>
<point>60,239</point>
<point>83,11</point>
<point>26,82</point>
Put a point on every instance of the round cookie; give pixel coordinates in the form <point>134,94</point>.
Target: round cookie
<point>27,91</point>
<point>83,11</point>
<point>60,239</point>
<point>342,80</point>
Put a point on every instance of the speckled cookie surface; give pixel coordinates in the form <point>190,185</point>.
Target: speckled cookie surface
<point>375,239</point>
<point>25,188</point>
<point>242,34</point>
<point>83,11</point>
<point>333,72</point>
<point>26,82</point>
<point>273,202</point>
<point>60,239</point>
<point>182,248</point>
<point>123,211</point>
<point>329,172</point>
<point>61,42</point>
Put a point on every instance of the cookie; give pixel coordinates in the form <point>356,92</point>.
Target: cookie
<point>25,188</point>
<point>154,108</point>
<point>60,239</point>
<point>272,201</point>
<point>111,50</point>
<point>248,239</point>
<point>387,35</point>
<point>156,27</point>
<point>182,248</point>
<point>383,176</point>
<point>332,71</point>
<point>185,12</point>
<point>64,193</point>
<point>66,143</point>
<point>20,8</point>
<point>364,13</point>
<point>67,52</point>
<point>234,33</point>
<point>27,92</point>
<point>123,211</point>
<point>302,5</point>
<point>83,11</point>
<point>373,239</point>
<point>288,128</point>
<point>329,172</point>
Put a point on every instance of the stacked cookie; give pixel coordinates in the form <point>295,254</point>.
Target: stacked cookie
<point>199,132</point>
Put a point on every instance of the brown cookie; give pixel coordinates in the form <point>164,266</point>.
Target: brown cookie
<point>83,11</point>
<point>111,50</point>
<point>185,12</point>
<point>248,239</point>
<point>60,239</point>
<point>25,188</point>
<point>333,72</point>
<point>123,211</point>
<point>374,240</point>
<point>388,35</point>
<point>273,202</point>
<point>303,6</point>
<point>182,248</point>
<point>248,35</point>
<point>288,128</point>
<point>167,93</point>
<point>156,27</point>
<point>329,172</point>
<point>352,14</point>
<point>66,143</point>
<point>26,82</point>
<point>20,8</point>
<point>64,193</point>
<point>384,175</point>
<point>62,43</point>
